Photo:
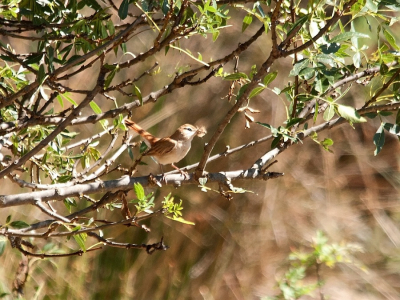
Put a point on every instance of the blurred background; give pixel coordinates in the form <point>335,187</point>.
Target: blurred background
<point>237,249</point>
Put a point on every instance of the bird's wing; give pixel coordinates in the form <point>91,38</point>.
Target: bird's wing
<point>162,147</point>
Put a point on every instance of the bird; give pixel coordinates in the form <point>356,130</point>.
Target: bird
<point>168,150</point>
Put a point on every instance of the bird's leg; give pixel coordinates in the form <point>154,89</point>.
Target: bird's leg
<point>163,178</point>
<point>185,174</point>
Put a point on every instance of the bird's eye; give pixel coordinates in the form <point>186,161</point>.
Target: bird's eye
<point>188,128</point>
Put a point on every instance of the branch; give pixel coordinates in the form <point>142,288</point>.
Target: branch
<point>150,248</point>
<point>123,183</point>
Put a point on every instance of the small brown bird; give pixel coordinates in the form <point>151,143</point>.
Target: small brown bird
<point>169,150</point>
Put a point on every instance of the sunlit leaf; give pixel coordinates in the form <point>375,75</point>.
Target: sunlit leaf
<point>350,114</point>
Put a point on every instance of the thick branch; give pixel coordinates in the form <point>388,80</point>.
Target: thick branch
<point>123,183</point>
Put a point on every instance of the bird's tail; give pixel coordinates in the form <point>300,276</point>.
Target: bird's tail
<point>146,135</point>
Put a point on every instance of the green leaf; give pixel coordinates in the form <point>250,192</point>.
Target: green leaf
<point>371,115</point>
<point>300,65</point>
<point>350,114</point>
<point>321,85</point>
<point>371,6</point>
<point>383,69</point>
<point>329,112</point>
<point>293,122</point>
<point>256,91</point>
<point>390,38</point>
<point>109,78</point>
<point>247,21</point>
<point>236,76</point>
<point>345,36</point>
<point>69,203</point>
<point>19,224</point>
<point>242,90</point>
<point>269,78</point>
<point>41,74</point>
<point>8,219</point>
<point>385,113</point>
<point>275,142</point>
<point>130,152</point>
<point>143,147</point>
<point>379,139</point>
<point>298,23</point>
<point>139,191</point>
<point>326,143</point>
<point>392,128</point>
<point>138,94</point>
<point>80,240</point>
<point>330,48</point>
<point>123,9</point>
<point>64,178</point>
<point>97,110</point>
<point>67,97</point>
<point>181,220</point>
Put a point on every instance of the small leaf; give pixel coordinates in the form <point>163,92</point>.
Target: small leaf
<point>41,74</point>
<point>130,152</point>
<point>8,219</point>
<point>383,69</point>
<point>236,76</point>
<point>80,240</point>
<point>326,143</point>
<point>330,48</point>
<point>371,115</point>
<point>391,40</point>
<point>379,139</point>
<point>247,21</point>
<point>256,91</point>
<point>264,125</point>
<point>300,22</point>
<point>293,122</point>
<point>329,112</point>
<point>300,65</point>
<point>139,191</point>
<point>392,128</point>
<point>275,142</point>
<point>350,114</point>
<point>181,220</point>
<point>19,224</point>
<point>321,85</point>
<point>123,9</point>
<point>109,78</point>
<point>138,94</point>
<point>97,110</point>
<point>143,147</point>
<point>242,90</point>
<point>347,36</point>
<point>269,78</point>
